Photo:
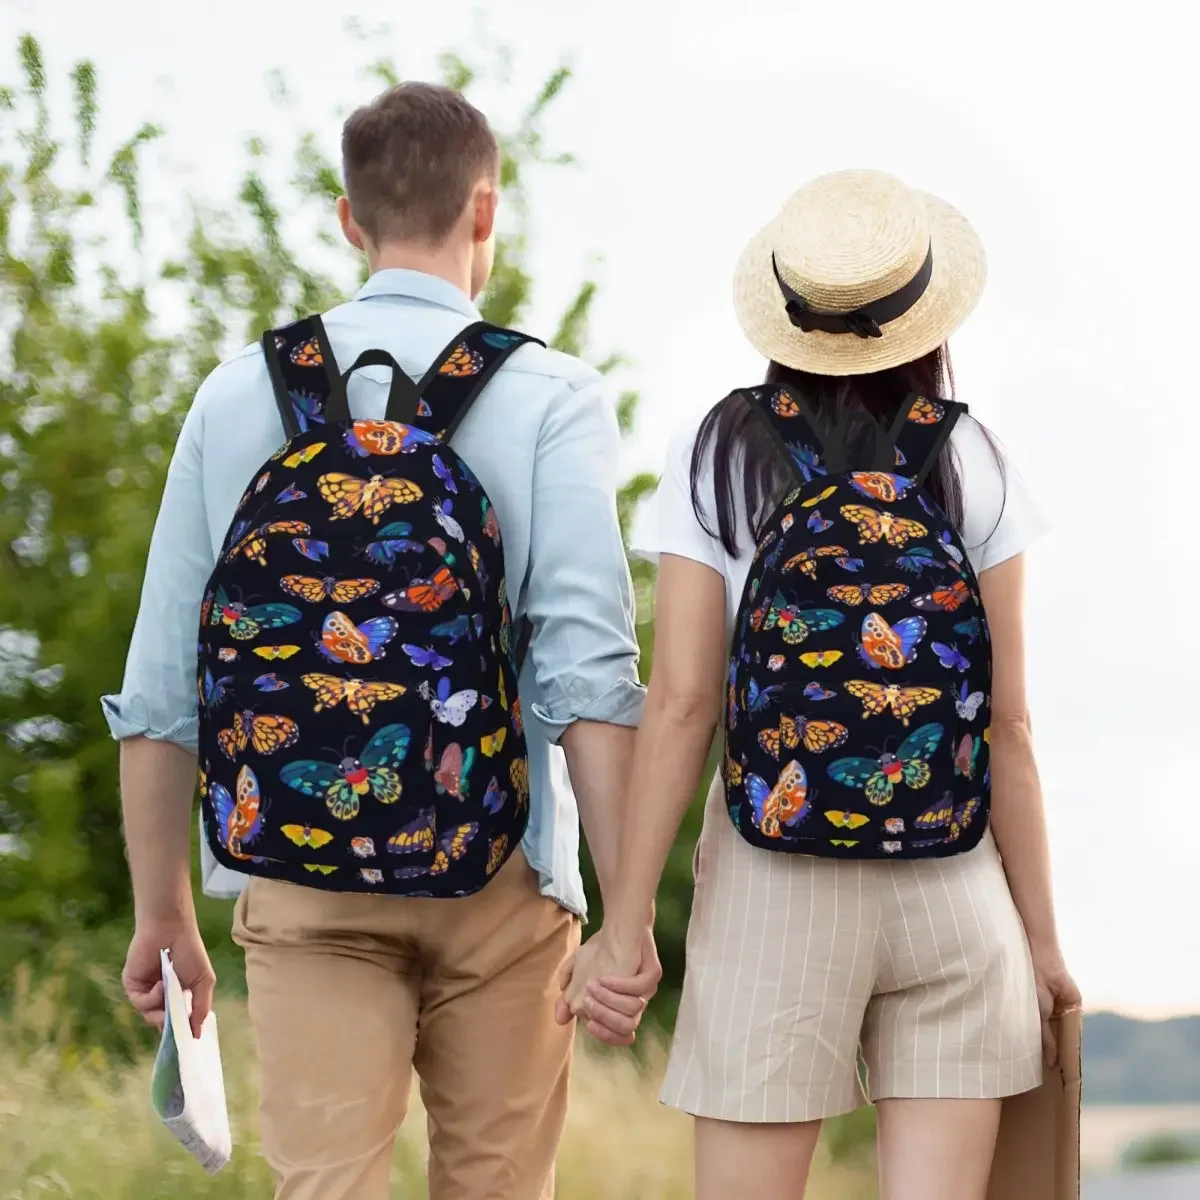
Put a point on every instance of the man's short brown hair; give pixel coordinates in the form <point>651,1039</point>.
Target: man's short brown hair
<point>411,158</point>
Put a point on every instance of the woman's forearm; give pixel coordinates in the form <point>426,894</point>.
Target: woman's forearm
<point>668,760</point>
<point>1019,825</point>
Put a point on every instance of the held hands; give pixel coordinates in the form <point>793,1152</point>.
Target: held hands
<point>609,986</point>
<point>142,976</point>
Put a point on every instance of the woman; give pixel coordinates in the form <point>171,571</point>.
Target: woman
<point>939,971</point>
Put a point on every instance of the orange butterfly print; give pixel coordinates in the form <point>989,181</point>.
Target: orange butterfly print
<point>784,405</point>
<point>784,804</point>
<point>490,525</point>
<point>266,734</point>
<point>344,642</point>
<point>732,772</point>
<point>254,545</point>
<point>944,599</point>
<point>793,731</point>
<point>360,695</point>
<point>239,820</point>
<point>855,594</point>
<point>307,354</point>
<point>877,698</point>
<point>891,646</point>
<point>496,852</point>
<point>925,412</point>
<point>874,525</point>
<point>316,591</point>
<point>348,494</point>
<point>518,774</point>
<point>424,595</point>
<point>880,485</point>
<point>806,560</point>
<point>462,362</point>
<point>382,437</point>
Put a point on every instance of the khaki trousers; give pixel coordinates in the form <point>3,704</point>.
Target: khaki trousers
<point>349,993</point>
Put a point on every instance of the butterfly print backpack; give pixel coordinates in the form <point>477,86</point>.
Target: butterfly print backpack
<point>360,728</point>
<point>859,682</point>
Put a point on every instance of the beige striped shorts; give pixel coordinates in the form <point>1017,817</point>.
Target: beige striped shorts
<point>802,970</point>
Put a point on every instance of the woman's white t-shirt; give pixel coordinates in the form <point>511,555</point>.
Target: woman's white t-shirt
<point>1000,518</point>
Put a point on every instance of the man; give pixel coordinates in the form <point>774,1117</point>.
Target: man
<point>349,992</point>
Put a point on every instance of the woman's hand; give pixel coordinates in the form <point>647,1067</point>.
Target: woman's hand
<point>609,986</point>
<point>1056,993</point>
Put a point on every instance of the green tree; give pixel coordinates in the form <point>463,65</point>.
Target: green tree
<point>93,385</point>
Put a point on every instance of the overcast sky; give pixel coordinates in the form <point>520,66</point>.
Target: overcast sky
<point>1068,139</point>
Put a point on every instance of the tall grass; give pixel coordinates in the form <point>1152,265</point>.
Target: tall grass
<point>76,1123</point>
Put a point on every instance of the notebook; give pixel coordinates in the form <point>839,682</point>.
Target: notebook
<point>187,1089</point>
<point>1037,1151</point>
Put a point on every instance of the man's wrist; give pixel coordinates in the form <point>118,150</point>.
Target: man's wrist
<point>170,911</point>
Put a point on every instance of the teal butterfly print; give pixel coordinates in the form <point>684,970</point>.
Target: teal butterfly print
<point>248,621</point>
<point>342,785</point>
<point>879,777</point>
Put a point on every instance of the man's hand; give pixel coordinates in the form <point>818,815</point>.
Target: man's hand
<point>142,977</point>
<point>610,988</point>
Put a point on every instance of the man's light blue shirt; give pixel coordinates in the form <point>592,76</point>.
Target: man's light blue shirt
<point>542,439</point>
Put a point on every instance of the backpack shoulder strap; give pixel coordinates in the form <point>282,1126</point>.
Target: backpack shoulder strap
<point>304,376</point>
<point>459,374</point>
<point>920,431</point>
<point>800,436</point>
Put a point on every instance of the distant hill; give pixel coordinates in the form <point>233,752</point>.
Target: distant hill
<point>1126,1061</point>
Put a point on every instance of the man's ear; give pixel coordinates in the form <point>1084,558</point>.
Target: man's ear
<point>350,229</point>
<point>487,199</point>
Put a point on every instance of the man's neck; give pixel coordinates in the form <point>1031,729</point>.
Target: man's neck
<point>450,263</point>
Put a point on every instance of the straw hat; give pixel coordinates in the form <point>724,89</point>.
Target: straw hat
<point>856,274</point>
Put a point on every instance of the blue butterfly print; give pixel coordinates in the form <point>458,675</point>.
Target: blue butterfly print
<point>817,523</point>
<point>918,559</point>
<point>814,691</point>
<point>270,683</point>
<point>214,691</point>
<point>807,462</point>
<point>392,540</point>
<point>947,540</point>
<point>971,629</point>
<point>454,631</point>
<point>377,632</point>
<point>444,473</point>
<point>307,407</point>
<point>494,799</point>
<point>426,656</point>
<point>312,548</point>
<point>950,656</point>
<point>968,703</point>
<point>849,564</point>
<point>289,494</point>
<point>236,533</point>
<point>758,698</point>
<point>235,835</point>
<point>930,508</point>
<point>500,339</point>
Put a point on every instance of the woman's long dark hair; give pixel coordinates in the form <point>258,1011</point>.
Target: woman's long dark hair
<point>764,474</point>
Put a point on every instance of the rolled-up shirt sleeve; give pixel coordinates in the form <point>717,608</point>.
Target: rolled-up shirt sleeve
<point>158,697</point>
<point>578,595</point>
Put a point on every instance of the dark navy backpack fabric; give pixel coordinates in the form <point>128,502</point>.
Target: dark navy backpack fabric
<point>360,727</point>
<point>857,720</point>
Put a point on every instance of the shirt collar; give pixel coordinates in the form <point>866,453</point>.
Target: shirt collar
<point>398,281</point>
